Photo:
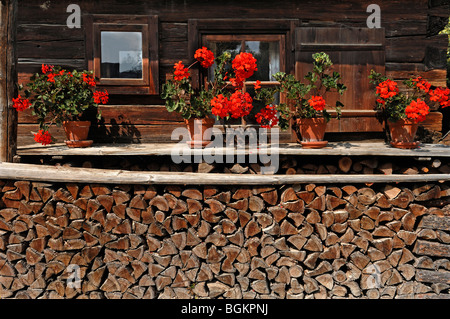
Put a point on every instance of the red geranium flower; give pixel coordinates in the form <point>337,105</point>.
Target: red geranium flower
<point>257,85</point>
<point>47,68</point>
<point>244,65</point>
<point>101,97</point>
<point>267,117</point>
<point>21,104</point>
<point>237,83</point>
<point>89,79</point>
<point>205,57</point>
<point>422,84</point>
<point>440,95</point>
<point>317,102</point>
<point>387,89</point>
<point>181,71</point>
<point>417,110</point>
<point>43,137</point>
<point>240,104</point>
<point>220,106</point>
<point>51,77</point>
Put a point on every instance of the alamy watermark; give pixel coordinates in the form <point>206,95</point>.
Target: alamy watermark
<point>74,19</point>
<point>373,280</point>
<point>374,20</point>
<point>74,279</point>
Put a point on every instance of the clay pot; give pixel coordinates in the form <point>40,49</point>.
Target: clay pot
<point>77,133</point>
<point>403,133</point>
<point>312,132</point>
<point>197,128</point>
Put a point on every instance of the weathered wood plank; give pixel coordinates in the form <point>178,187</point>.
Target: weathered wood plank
<point>181,10</point>
<point>430,276</point>
<point>48,32</point>
<point>131,114</point>
<point>435,222</point>
<point>428,248</point>
<point>433,121</point>
<point>405,49</point>
<point>403,71</point>
<point>171,31</point>
<point>60,49</point>
<point>8,79</point>
<point>166,148</point>
<point>84,175</point>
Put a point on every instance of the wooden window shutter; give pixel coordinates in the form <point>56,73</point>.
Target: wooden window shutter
<point>354,52</point>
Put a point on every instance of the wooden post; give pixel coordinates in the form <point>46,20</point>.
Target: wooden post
<point>8,80</point>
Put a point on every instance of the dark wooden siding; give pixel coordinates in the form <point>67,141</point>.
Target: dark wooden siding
<point>412,46</point>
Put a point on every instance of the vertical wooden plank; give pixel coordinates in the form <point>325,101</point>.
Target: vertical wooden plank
<point>153,27</point>
<point>8,80</point>
<point>89,40</point>
<point>194,42</point>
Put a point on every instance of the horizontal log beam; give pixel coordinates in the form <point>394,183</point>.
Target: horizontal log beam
<point>44,173</point>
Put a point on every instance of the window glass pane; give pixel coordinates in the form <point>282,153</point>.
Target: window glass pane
<point>234,47</point>
<point>121,56</point>
<point>268,56</point>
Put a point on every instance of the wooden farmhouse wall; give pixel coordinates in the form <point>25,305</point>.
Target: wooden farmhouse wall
<point>411,45</point>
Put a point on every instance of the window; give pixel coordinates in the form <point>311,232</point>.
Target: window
<point>123,52</point>
<point>271,39</point>
<point>267,49</point>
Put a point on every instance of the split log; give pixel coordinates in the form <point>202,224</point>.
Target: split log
<point>431,249</point>
<point>435,222</point>
<point>366,196</point>
<point>433,276</point>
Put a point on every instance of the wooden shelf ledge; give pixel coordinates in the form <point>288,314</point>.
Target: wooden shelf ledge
<point>43,173</point>
<point>157,149</point>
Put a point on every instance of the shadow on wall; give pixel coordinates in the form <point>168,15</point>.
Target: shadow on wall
<point>117,131</point>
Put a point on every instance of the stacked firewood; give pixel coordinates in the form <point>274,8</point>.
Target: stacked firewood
<point>293,241</point>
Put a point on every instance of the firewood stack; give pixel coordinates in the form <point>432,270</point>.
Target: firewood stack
<point>297,241</point>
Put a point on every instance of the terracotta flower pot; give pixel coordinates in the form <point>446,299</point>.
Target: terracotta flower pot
<point>197,128</point>
<point>403,133</point>
<point>77,133</point>
<point>312,132</point>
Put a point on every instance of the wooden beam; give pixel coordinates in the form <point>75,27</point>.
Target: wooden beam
<point>8,80</point>
<point>45,173</point>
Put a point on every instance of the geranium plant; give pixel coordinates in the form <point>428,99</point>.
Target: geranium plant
<point>308,98</point>
<point>222,96</point>
<point>396,105</point>
<point>57,95</point>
